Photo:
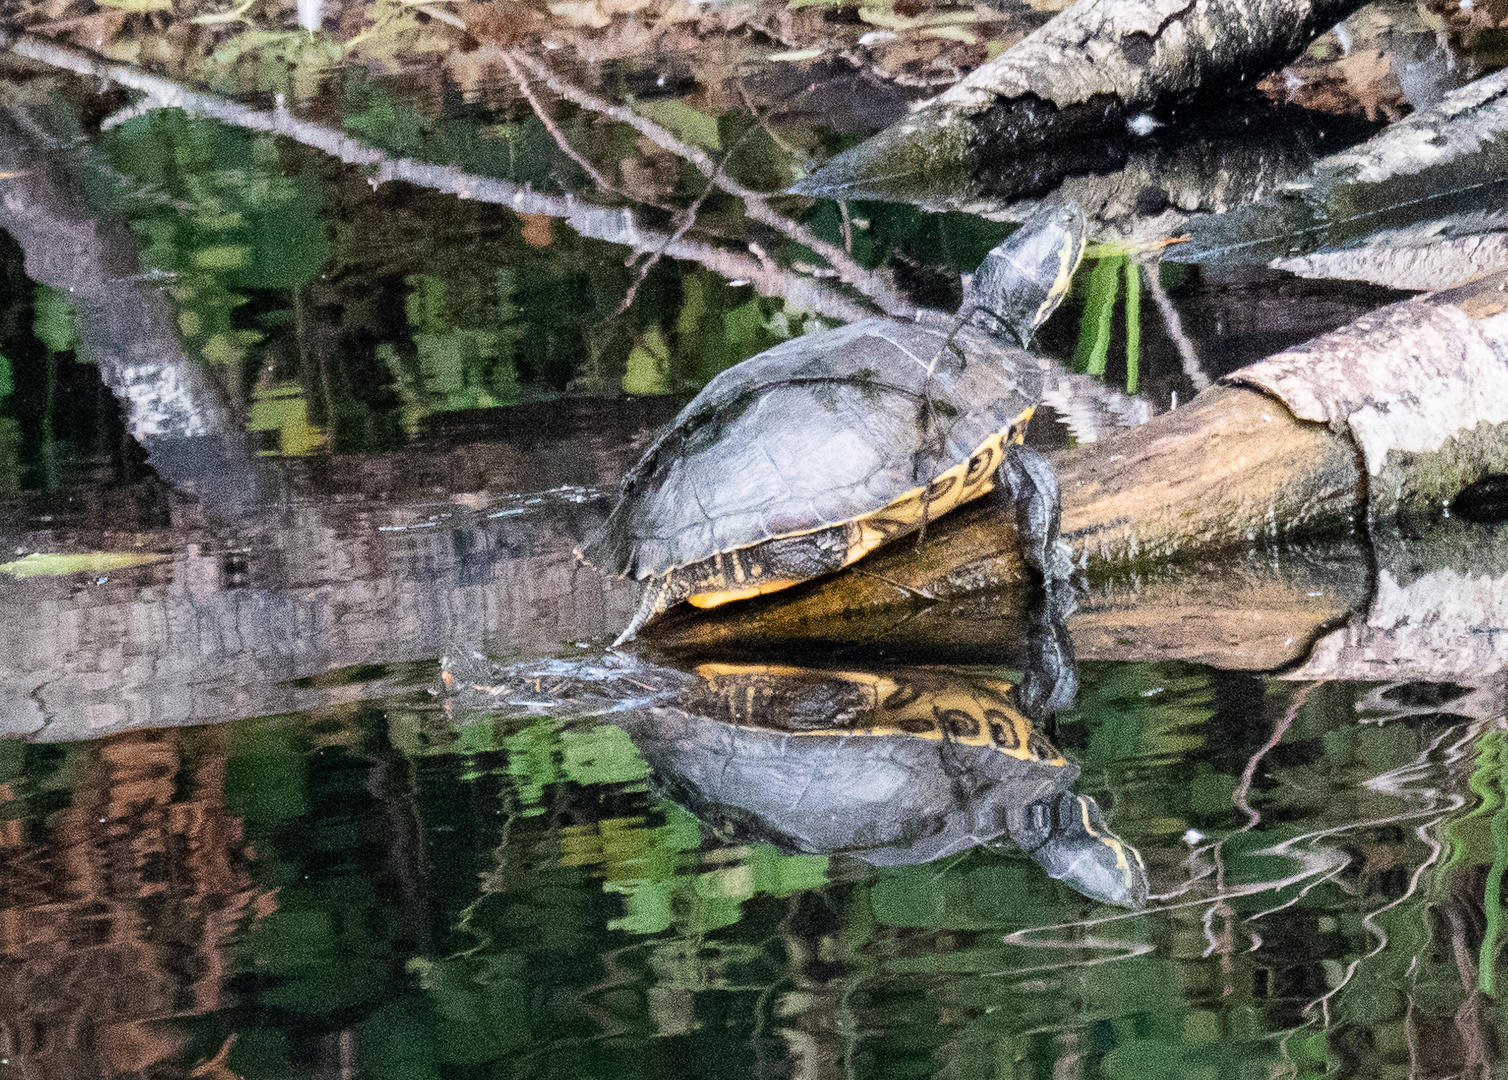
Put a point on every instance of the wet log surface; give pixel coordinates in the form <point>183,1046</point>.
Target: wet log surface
<point>1382,419</point>
<point>1075,82</point>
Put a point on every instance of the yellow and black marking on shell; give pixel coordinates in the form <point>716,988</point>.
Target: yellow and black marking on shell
<point>976,711</point>
<point>803,459</point>
<point>784,561</point>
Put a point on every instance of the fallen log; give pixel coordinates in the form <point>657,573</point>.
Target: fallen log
<point>1076,81</point>
<point>1385,419</point>
<point>1418,206</point>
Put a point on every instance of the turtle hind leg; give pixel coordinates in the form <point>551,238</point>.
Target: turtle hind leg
<point>1028,484</point>
<point>659,596</point>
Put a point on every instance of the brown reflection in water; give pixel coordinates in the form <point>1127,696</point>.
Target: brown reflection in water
<point>376,560</point>
<point>119,915</point>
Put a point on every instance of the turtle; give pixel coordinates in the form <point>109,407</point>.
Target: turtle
<point>894,768</point>
<point>804,458</point>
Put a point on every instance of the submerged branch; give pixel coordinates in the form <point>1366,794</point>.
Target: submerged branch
<point>128,329</point>
<point>602,182</point>
<point>1193,370</point>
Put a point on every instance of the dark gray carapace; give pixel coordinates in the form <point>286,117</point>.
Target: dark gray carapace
<point>803,459</point>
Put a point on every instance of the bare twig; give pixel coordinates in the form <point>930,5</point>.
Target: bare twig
<point>1174,326</point>
<point>763,120</point>
<point>616,226</point>
<point>688,219</point>
<point>756,206</point>
<point>548,121</point>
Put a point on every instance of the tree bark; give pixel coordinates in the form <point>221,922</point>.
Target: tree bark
<point>1418,206</point>
<point>1076,80</point>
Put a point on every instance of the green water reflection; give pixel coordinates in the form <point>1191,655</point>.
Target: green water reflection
<point>394,890</point>
<point>339,318</point>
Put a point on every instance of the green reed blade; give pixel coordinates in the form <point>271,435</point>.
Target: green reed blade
<point>1492,900</point>
<point>1099,308</point>
<point>1133,325</point>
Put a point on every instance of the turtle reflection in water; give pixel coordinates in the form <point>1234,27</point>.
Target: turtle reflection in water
<point>892,768</point>
<point>810,455</point>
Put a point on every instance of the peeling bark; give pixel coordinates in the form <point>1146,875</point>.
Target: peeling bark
<point>1418,206</point>
<point>1427,257</point>
<point>1421,387</point>
<point>1076,79</point>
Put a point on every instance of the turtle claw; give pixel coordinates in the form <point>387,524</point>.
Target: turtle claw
<point>1028,484</point>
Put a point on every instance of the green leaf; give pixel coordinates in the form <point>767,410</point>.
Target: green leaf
<point>601,755</point>
<point>1099,309</point>
<point>52,319</point>
<point>1133,325</point>
<point>648,365</point>
<point>695,127</point>
<point>38,564</point>
<point>222,257</point>
<point>744,326</point>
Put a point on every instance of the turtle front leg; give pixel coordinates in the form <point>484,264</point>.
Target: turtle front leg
<point>1027,483</point>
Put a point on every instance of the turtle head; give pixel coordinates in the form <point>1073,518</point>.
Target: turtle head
<point>1022,280</point>
<point>1067,836</point>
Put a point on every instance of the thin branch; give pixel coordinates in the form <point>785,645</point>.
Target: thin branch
<point>688,219</point>
<point>566,148</point>
<point>1249,774</point>
<point>619,226</point>
<point>756,208</point>
<point>1192,368</point>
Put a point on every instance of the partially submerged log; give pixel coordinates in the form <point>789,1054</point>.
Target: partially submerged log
<point>128,329</point>
<point>1135,187</point>
<point>1076,79</point>
<point>1418,206</point>
<point>1386,418</point>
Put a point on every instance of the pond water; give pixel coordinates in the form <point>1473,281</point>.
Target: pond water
<point>314,758</point>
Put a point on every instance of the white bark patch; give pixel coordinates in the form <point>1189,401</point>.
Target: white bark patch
<point>1464,122</point>
<point>1407,259</point>
<point>1422,388</point>
<point>165,401</point>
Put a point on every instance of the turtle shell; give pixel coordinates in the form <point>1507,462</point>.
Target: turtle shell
<point>817,432</point>
<point>895,768</point>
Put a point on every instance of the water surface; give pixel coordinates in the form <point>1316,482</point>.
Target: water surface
<point>293,420</point>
